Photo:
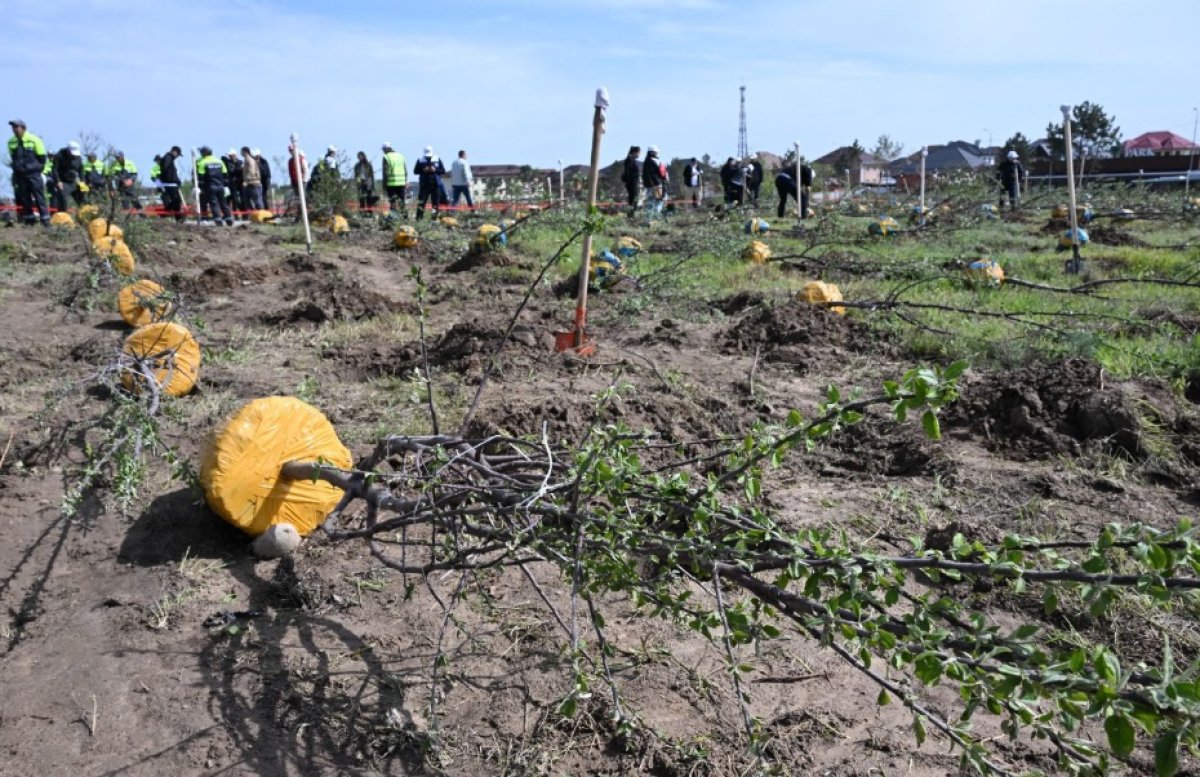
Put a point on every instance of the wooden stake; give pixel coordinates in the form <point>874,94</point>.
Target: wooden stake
<point>296,156</point>
<point>1076,263</point>
<point>593,186</point>
<point>924,156</point>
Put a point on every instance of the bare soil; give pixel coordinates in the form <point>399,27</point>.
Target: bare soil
<point>107,667</point>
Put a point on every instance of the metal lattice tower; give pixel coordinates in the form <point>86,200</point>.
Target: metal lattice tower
<point>743,144</point>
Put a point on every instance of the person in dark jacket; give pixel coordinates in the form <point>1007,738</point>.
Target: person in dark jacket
<point>234,179</point>
<point>754,180</point>
<point>654,178</point>
<point>631,176</point>
<point>264,172</point>
<point>731,181</point>
<point>1011,173</point>
<point>212,173</point>
<point>65,177</point>
<point>168,176</point>
<point>27,153</point>
<point>364,176</point>
<point>785,184</point>
<point>429,171</point>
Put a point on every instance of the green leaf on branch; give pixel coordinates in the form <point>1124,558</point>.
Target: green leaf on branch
<point>929,422</point>
<point>1120,734</point>
<point>1166,754</point>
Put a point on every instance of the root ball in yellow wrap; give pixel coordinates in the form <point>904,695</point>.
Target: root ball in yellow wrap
<point>173,353</point>
<point>143,302</point>
<point>240,466</point>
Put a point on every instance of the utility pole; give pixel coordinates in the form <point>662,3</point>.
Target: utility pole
<point>743,143</point>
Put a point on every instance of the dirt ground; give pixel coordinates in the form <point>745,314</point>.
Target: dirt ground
<point>107,667</point>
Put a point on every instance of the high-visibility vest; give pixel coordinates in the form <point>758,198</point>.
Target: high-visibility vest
<point>395,172</point>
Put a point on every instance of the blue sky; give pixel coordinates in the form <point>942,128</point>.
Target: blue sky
<point>513,82</point>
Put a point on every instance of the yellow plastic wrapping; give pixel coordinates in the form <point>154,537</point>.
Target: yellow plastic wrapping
<point>756,252</point>
<point>142,303</point>
<point>1060,212</point>
<point>62,219</point>
<point>157,342</point>
<point>985,272</point>
<point>239,469</point>
<point>261,216</point>
<point>819,291</point>
<point>339,225</point>
<point>448,221</point>
<point>406,237</point>
<point>487,231</point>
<point>114,251</point>
<point>883,227</point>
<point>99,228</point>
<point>88,212</point>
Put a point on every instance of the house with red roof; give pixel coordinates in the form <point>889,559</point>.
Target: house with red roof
<point>1160,144</point>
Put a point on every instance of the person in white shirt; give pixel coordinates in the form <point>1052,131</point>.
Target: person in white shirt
<point>460,180</point>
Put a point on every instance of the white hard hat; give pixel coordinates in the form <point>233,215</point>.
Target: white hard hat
<point>652,150</point>
<point>256,152</point>
<point>387,145</point>
<point>1012,154</point>
<point>429,151</point>
<point>233,152</point>
<point>74,146</point>
<point>331,150</point>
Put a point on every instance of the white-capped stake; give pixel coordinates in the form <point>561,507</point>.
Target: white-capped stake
<point>924,156</point>
<point>1075,264</point>
<point>296,155</point>
<point>799,184</point>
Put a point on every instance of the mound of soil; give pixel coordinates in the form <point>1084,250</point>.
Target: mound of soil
<point>465,349</point>
<point>1114,236</point>
<point>218,278</point>
<point>880,446</point>
<point>795,333</point>
<point>736,303</point>
<point>317,299</point>
<point>1049,409</point>
<point>470,261</point>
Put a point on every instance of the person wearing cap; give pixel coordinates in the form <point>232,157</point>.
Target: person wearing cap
<point>65,175</point>
<point>326,170</point>
<point>692,173</point>
<point>395,177</point>
<point>235,179</point>
<point>429,171</point>
<point>212,173</point>
<point>168,178</point>
<point>122,175</point>
<point>264,173</point>
<point>93,175</point>
<point>252,191</point>
<point>460,179</point>
<point>1011,173</point>
<point>27,154</point>
<point>631,176</point>
<point>654,179</point>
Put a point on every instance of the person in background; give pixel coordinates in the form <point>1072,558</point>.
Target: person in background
<point>212,173</point>
<point>364,176</point>
<point>429,171</point>
<point>264,172</point>
<point>122,176</point>
<point>27,154</point>
<point>460,179</point>
<point>155,172</point>
<point>754,179</point>
<point>93,175</point>
<point>65,177</point>
<point>235,179</point>
<point>631,176</point>
<point>692,180</point>
<point>252,190</point>
<point>731,182</point>
<point>168,176</point>
<point>326,169</point>
<point>395,177</point>
<point>785,184</point>
<point>297,168</point>
<point>1011,174</point>
<point>654,178</point>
